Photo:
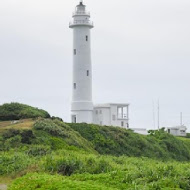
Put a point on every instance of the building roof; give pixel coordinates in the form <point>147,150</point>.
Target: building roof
<point>138,129</point>
<point>178,127</point>
<point>108,105</point>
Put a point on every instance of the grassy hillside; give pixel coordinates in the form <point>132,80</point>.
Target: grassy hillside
<point>117,141</point>
<point>21,125</point>
<point>53,134</point>
<point>16,111</point>
<point>50,154</point>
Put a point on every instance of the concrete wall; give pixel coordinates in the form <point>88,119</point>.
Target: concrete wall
<point>82,64</point>
<point>102,116</point>
<point>117,122</point>
<point>82,116</point>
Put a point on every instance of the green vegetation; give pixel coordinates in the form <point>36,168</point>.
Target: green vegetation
<point>16,111</point>
<point>50,154</point>
<point>133,174</point>
<point>117,141</point>
<point>45,181</point>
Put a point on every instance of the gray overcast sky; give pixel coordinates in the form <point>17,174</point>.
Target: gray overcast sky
<point>140,52</point>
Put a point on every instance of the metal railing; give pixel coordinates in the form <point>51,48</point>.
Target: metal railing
<point>122,116</point>
<point>81,13</point>
<point>86,22</point>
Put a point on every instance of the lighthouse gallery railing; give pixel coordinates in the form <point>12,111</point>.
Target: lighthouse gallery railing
<point>81,22</point>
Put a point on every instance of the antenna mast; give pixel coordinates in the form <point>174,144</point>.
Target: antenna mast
<point>158,114</point>
<point>154,123</point>
<point>181,118</point>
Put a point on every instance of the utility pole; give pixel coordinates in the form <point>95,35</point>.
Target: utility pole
<point>181,118</point>
<point>158,114</point>
<point>154,120</point>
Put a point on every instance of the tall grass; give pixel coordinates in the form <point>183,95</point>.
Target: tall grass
<point>55,155</point>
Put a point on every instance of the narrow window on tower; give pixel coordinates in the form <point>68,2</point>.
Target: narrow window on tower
<point>87,73</point>
<point>75,51</point>
<point>87,38</point>
<point>75,85</point>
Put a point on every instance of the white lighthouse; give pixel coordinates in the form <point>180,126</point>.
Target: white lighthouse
<point>110,114</point>
<point>82,106</point>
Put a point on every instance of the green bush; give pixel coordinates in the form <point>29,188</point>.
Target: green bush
<point>13,142</point>
<point>13,163</point>
<point>70,164</point>
<point>38,150</point>
<point>16,111</point>
<point>13,138</point>
<point>10,133</point>
<point>49,182</point>
<point>56,118</point>
<point>27,136</point>
<point>61,130</point>
<point>50,127</point>
<point>68,167</point>
<point>63,166</point>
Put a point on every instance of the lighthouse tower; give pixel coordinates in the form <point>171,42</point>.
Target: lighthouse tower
<point>82,106</point>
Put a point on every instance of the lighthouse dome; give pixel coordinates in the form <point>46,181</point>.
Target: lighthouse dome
<point>81,6</point>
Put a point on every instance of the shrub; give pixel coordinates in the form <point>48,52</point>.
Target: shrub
<point>10,133</point>
<point>13,142</point>
<point>38,150</point>
<point>56,182</point>
<point>103,166</point>
<point>16,111</point>
<point>27,136</point>
<point>50,127</point>
<point>56,118</point>
<point>70,164</point>
<point>68,167</point>
<point>13,138</point>
<point>61,130</point>
<point>13,163</point>
<point>63,166</point>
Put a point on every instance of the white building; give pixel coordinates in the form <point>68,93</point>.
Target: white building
<point>112,115</point>
<point>178,131</point>
<point>140,131</point>
<point>82,106</point>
